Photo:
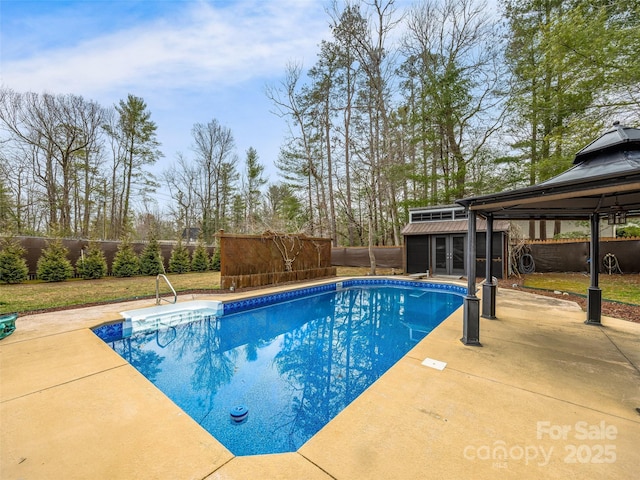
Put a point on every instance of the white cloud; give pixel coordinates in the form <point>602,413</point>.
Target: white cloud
<point>205,44</point>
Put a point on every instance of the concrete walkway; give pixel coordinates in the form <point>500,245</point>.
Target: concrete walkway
<point>546,396</point>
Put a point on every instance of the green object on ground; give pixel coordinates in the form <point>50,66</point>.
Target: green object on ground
<point>7,324</point>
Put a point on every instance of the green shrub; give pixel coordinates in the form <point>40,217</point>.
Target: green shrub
<point>179,262</point>
<point>126,262</point>
<point>93,264</point>
<point>200,260</point>
<point>53,264</point>
<point>576,235</point>
<point>628,231</point>
<point>13,267</point>
<point>151,259</point>
<point>215,260</point>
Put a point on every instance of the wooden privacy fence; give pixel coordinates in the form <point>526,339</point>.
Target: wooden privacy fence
<point>386,257</point>
<point>272,258</point>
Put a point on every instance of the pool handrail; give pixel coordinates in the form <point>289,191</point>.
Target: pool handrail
<point>158,298</point>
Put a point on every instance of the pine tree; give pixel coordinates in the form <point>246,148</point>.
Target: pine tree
<point>200,260</point>
<point>135,135</point>
<point>53,264</point>
<point>126,262</point>
<point>151,259</point>
<point>215,260</point>
<point>93,264</point>
<point>13,267</point>
<point>179,261</point>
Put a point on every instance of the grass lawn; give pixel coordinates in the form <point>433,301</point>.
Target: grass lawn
<point>618,288</point>
<point>38,296</point>
<point>35,296</point>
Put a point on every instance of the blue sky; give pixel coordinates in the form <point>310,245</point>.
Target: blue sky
<point>191,60</point>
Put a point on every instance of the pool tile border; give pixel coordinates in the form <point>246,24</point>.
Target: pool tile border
<point>114,331</point>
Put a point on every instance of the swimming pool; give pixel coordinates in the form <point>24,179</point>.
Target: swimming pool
<point>292,360</point>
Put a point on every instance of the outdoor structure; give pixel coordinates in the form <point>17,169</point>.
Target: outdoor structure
<point>272,258</point>
<point>604,183</point>
<point>435,242</point>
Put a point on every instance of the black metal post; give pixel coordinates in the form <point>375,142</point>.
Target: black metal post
<point>489,288</point>
<point>594,294</point>
<point>471,317</point>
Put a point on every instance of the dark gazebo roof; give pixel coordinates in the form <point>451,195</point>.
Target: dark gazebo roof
<point>604,181</point>
<point>605,177</point>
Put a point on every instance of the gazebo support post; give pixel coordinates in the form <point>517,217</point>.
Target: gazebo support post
<point>488,287</point>
<point>471,316</point>
<point>594,295</point>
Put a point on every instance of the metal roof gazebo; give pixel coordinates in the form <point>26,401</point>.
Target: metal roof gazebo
<point>603,183</point>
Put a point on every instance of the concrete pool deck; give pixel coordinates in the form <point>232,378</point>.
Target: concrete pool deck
<point>546,396</point>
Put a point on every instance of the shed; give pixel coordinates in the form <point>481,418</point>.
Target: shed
<point>435,242</point>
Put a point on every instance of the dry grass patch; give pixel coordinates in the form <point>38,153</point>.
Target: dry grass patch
<point>38,296</point>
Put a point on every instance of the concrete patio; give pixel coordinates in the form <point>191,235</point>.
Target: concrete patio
<point>546,396</point>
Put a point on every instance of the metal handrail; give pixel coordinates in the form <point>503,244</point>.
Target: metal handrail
<point>158,299</point>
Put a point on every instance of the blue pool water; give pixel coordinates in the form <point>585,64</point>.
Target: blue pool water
<point>294,365</point>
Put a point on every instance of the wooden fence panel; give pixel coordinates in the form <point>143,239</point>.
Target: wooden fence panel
<point>272,258</point>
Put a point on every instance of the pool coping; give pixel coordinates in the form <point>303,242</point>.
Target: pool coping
<point>381,434</point>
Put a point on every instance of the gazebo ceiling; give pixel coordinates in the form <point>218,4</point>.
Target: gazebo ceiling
<point>605,176</point>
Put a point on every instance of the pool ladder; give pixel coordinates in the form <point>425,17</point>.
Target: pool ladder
<point>158,299</point>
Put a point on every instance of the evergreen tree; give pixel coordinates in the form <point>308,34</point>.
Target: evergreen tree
<point>53,264</point>
<point>126,262</point>
<point>253,181</point>
<point>13,267</point>
<point>215,260</point>
<point>179,261</point>
<point>151,259</point>
<point>7,208</point>
<point>93,264</point>
<point>200,260</point>
<point>135,135</point>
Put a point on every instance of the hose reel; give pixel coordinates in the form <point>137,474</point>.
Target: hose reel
<point>610,263</point>
<point>526,264</point>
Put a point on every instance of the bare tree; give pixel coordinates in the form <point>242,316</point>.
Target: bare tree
<point>180,178</point>
<point>452,48</point>
<point>57,131</point>
<point>215,160</point>
<point>299,159</point>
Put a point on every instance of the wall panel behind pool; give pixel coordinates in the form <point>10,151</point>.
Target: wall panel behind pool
<point>272,258</point>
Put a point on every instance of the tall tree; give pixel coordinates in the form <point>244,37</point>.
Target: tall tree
<point>253,182</point>
<point>54,131</point>
<point>299,159</point>
<point>137,147</point>
<point>367,36</point>
<point>344,90</point>
<point>571,63</point>
<point>181,181</point>
<point>452,85</point>
<point>215,159</point>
